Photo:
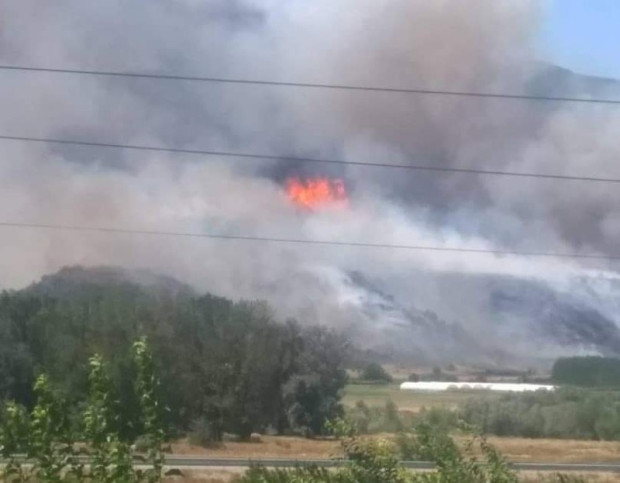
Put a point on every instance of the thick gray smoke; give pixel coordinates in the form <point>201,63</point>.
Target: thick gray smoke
<point>479,45</point>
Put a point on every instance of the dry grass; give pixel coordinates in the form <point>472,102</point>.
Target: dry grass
<point>533,477</point>
<point>270,447</point>
<point>557,450</point>
<point>515,449</point>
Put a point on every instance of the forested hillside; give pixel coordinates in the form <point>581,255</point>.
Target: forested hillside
<point>225,366</point>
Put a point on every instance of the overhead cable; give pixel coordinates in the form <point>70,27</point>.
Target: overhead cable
<point>302,241</point>
<point>272,157</point>
<point>307,85</point>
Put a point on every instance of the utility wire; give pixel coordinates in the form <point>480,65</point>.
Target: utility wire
<point>301,241</point>
<point>221,80</point>
<point>242,155</point>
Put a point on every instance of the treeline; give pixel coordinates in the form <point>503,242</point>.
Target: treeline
<point>569,413</point>
<point>588,371</point>
<point>565,414</point>
<point>226,367</point>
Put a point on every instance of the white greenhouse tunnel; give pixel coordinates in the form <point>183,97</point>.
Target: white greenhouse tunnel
<point>489,386</point>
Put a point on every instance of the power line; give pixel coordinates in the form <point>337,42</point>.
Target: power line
<point>221,80</point>
<point>242,155</point>
<point>300,241</point>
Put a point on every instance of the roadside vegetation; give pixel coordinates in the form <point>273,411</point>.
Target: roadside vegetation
<point>45,445</point>
<point>377,461</point>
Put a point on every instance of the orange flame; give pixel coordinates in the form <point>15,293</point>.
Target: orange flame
<point>314,193</point>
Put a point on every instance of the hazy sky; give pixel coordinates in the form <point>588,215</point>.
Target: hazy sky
<point>583,35</point>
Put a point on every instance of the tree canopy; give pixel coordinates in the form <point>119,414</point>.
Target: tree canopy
<point>589,371</point>
<point>229,364</point>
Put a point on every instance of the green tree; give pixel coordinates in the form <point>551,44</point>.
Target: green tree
<point>46,437</point>
<point>111,459</point>
<point>588,371</point>
<point>14,434</point>
<point>147,390</point>
<point>375,372</point>
<point>50,442</point>
<point>312,395</point>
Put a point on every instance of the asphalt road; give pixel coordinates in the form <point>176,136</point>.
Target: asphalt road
<point>191,462</point>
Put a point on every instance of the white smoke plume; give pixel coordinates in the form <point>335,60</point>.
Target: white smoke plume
<point>479,45</point>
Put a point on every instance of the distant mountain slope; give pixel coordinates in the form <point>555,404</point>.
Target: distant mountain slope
<point>75,282</point>
<point>551,80</point>
<point>518,321</point>
<point>559,317</point>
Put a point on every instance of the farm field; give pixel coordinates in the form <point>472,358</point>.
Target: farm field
<point>378,395</point>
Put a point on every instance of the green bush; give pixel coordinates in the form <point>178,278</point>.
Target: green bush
<point>382,419</point>
<point>375,372</point>
<point>389,419</point>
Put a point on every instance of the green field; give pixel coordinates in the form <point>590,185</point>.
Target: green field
<point>377,395</point>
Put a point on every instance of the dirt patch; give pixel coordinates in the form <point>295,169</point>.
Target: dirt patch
<point>206,476</point>
<point>270,447</point>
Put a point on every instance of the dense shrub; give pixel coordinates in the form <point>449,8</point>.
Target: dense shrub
<point>382,419</point>
<point>389,419</point>
<point>374,372</point>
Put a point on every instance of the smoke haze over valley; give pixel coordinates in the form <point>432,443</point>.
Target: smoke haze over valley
<point>415,305</point>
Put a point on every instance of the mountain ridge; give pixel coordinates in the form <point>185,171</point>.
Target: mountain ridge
<point>532,323</point>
